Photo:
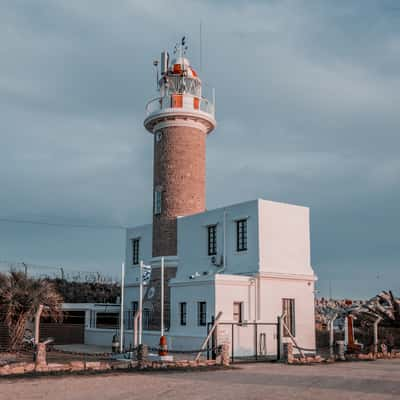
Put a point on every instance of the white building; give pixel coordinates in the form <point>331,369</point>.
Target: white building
<point>266,270</point>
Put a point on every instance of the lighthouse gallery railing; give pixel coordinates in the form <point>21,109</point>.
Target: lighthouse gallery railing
<point>184,101</point>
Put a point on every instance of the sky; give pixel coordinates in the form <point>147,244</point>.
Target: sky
<point>308,112</point>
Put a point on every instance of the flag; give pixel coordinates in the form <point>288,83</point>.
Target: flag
<point>146,274</point>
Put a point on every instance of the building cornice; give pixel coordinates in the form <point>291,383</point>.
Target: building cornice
<point>286,276</point>
<point>231,279</point>
<point>171,117</point>
<point>169,261</point>
<point>192,282</point>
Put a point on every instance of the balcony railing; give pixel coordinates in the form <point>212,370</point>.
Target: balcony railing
<point>184,101</point>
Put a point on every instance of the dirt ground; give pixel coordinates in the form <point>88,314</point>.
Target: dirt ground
<point>352,380</point>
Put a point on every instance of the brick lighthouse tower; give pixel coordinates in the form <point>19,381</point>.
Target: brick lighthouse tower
<point>179,119</point>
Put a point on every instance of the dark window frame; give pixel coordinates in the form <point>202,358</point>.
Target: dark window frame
<point>135,251</point>
<point>106,320</point>
<point>201,313</point>
<point>239,314</point>
<point>241,235</point>
<point>157,202</point>
<point>183,313</point>
<point>212,240</point>
<point>147,318</point>
<point>135,307</point>
<point>289,309</point>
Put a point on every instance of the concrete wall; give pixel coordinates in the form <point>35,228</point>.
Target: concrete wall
<point>177,342</point>
<point>193,241</point>
<point>191,292</point>
<point>284,231</point>
<point>273,290</point>
<point>145,248</point>
<point>231,289</point>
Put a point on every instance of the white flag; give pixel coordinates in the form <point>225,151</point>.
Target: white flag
<point>146,274</point>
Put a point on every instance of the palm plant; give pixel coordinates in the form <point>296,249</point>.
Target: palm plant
<point>20,298</point>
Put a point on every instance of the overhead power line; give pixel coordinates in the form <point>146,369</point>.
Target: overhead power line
<point>61,224</point>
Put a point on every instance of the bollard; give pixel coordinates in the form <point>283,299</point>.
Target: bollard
<point>225,357</point>
<point>340,349</point>
<point>142,354</point>
<point>40,355</point>
<point>288,353</point>
<point>163,350</point>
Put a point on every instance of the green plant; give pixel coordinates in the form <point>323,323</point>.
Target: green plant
<point>20,298</point>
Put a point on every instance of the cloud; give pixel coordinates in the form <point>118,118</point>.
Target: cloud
<point>307,109</point>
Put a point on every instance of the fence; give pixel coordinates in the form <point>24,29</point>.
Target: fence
<point>63,333</point>
<point>249,341</point>
<point>3,336</point>
<point>57,272</point>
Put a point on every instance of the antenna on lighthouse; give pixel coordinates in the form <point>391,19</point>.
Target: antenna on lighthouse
<point>155,64</point>
<point>201,47</point>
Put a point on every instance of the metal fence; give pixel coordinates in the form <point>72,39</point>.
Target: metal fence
<point>249,341</point>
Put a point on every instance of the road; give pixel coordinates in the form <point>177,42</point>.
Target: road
<point>353,380</point>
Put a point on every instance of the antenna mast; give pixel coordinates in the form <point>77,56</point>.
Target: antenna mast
<point>155,64</point>
<point>200,48</point>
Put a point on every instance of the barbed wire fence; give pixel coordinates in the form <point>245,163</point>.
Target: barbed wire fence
<point>57,272</point>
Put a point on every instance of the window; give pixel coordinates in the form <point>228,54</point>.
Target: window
<point>212,240</point>
<point>202,313</point>
<point>241,235</point>
<point>182,312</point>
<point>135,251</point>
<point>135,307</point>
<point>107,320</point>
<point>288,308</point>
<point>157,201</point>
<point>237,312</point>
<point>147,317</point>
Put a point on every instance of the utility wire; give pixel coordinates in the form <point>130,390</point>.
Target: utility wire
<point>89,226</point>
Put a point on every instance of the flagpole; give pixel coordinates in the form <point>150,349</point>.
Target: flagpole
<point>140,300</point>
<point>121,325</point>
<point>162,296</point>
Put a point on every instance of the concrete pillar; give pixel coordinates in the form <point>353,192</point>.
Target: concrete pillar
<point>40,359</point>
<point>142,355</point>
<point>288,353</point>
<point>376,323</point>
<point>225,355</point>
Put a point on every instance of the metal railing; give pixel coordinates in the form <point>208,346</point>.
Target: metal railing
<point>188,103</point>
<point>250,341</point>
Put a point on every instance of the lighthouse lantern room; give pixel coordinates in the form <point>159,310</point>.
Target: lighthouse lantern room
<point>180,89</point>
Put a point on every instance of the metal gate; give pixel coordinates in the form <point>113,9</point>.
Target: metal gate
<point>248,341</point>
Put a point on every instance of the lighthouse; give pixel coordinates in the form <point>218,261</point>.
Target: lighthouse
<point>179,118</point>
<point>244,264</point>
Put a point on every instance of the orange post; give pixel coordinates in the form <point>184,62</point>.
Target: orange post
<point>163,350</point>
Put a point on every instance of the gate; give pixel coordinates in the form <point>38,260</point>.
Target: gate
<point>248,341</point>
